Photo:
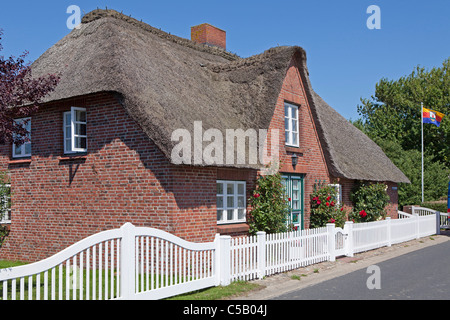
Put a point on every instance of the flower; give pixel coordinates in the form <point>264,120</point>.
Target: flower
<point>332,203</point>
<point>318,201</point>
<point>315,198</point>
<point>329,197</point>
<point>328,204</point>
<point>342,208</point>
<point>363,213</point>
<point>289,199</point>
<point>256,195</point>
<point>332,220</point>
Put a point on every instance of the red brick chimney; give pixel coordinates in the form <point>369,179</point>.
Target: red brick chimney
<point>209,35</point>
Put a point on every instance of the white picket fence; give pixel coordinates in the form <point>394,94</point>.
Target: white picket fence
<point>146,263</point>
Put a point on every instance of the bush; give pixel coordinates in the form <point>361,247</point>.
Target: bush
<point>369,202</point>
<point>270,208</point>
<point>324,208</point>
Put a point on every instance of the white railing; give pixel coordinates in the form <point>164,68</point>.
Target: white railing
<point>146,263</point>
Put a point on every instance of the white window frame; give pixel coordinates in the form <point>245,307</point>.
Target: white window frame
<point>235,206</point>
<point>71,148</point>
<point>23,145</point>
<point>338,188</point>
<point>290,130</point>
<point>8,210</point>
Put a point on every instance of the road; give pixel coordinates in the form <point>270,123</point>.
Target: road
<point>423,274</point>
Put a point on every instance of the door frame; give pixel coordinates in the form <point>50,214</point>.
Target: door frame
<point>288,177</point>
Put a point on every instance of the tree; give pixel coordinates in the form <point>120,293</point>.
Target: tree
<point>394,112</point>
<point>392,118</point>
<point>20,95</point>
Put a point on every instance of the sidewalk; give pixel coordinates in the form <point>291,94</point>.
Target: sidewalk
<point>275,285</point>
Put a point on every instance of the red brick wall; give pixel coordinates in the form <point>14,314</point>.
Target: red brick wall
<point>58,200</point>
<point>311,161</point>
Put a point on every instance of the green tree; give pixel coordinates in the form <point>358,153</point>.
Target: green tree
<point>392,118</point>
<point>394,112</point>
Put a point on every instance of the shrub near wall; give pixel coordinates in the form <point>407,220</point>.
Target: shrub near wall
<point>324,207</point>
<point>369,202</point>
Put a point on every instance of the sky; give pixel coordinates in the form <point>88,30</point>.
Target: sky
<point>345,58</point>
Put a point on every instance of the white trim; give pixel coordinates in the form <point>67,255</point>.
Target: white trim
<point>23,145</point>
<point>235,206</point>
<point>71,148</point>
<point>290,130</point>
<point>2,220</point>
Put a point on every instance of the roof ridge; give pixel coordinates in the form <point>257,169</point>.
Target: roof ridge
<point>111,13</point>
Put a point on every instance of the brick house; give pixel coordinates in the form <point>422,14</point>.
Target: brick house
<point>101,150</point>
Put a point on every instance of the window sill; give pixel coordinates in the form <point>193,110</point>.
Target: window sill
<point>72,157</point>
<point>294,149</point>
<point>20,160</point>
<point>232,228</point>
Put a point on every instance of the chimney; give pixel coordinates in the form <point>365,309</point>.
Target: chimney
<point>209,35</point>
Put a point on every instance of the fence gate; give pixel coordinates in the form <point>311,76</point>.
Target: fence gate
<point>341,238</point>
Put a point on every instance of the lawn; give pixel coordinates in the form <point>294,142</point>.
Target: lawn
<point>107,285</point>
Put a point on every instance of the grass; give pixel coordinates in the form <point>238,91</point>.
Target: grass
<point>213,293</point>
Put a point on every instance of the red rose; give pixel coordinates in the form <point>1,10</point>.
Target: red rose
<point>362,213</point>
<point>328,199</point>
<point>342,208</point>
<point>318,201</point>
<point>331,220</point>
<point>332,203</point>
<point>289,199</point>
<point>328,204</point>
<point>316,198</point>
<point>256,195</point>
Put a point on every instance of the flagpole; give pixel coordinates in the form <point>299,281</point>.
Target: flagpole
<point>421,118</point>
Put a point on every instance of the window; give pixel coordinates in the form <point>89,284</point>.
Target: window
<point>5,203</point>
<point>231,207</point>
<point>24,149</point>
<point>291,124</point>
<point>75,135</point>
<point>338,189</point>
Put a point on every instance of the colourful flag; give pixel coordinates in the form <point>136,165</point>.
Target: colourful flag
<point>431,116</point>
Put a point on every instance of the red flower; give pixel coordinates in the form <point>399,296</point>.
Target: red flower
<point>332,220</point>
<point>316,198</point>
<point>362,213</point>
<point>328,204</point>
<point>332,203</point>
<point>256,195</point>
<point>289,199</point>
<point>318,201</point>
<point>329,197</point>
<point>342,208</point>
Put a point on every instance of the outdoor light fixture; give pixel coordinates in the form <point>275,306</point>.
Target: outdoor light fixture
<point>294,160</point>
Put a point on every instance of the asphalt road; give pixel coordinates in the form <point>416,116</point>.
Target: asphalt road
<point>422,274</point>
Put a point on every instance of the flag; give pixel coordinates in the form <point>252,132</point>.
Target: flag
<point>431,116</point>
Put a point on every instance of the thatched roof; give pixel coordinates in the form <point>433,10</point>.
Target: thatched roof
<point>168,82</point>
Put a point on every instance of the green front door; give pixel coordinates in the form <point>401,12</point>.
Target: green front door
<point>293,184</point>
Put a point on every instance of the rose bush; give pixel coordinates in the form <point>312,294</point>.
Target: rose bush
<point>369,202</point>
<point>324,208</point>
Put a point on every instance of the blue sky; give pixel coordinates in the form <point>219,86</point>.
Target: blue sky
<point>345,58</point>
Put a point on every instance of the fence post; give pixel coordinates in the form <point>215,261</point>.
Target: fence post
<point>438,222</point>
<point>261,240</point>
<point>127,262</point>
<point>348,229</point>
<point>388,231</point>
<point>416,216</point>
<point>224,269</point>
<point>331,241</point>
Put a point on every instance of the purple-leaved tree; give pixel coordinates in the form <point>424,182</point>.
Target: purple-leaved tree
<point>20,95</point>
